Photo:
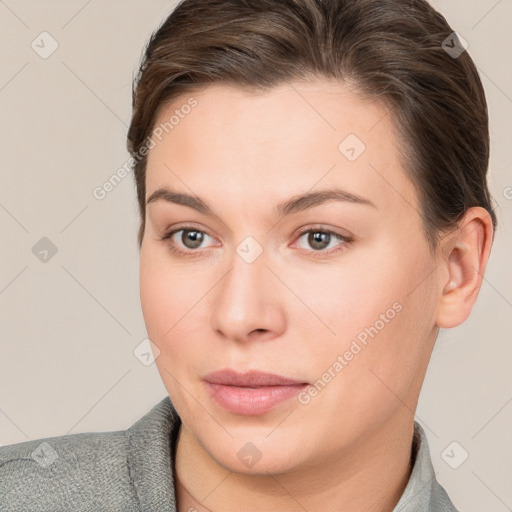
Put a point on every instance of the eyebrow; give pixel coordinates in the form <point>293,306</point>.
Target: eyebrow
<point>296,204</point>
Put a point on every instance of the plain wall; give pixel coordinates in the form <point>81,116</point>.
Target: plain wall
<point>69,325</point>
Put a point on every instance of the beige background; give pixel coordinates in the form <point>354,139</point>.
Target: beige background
<point>69,325</point>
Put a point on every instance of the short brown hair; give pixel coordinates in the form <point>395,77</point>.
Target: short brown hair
<point>392,50</point>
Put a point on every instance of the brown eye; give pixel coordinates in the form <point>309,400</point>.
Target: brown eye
<point>192,238</point>
<point>319,240</point>
<point>186,241</point>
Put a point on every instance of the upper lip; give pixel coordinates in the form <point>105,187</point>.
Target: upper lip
<point>251,378</point>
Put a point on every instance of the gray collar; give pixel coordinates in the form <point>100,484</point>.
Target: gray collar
<point>423,492</point>
<point>149,444</point>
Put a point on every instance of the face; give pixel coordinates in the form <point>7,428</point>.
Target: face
<point>337,292</point>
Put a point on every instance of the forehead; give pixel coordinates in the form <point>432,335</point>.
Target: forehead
<point>263,146</point>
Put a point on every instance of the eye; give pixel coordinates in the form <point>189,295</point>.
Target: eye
<point>320,239</point>
<point>191,239</point>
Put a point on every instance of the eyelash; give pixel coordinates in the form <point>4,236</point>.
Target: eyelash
<point>315,229</point>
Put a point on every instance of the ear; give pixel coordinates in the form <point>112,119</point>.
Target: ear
<point>464,256</point>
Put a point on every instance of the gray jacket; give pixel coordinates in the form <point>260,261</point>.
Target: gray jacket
<point>132,471</point>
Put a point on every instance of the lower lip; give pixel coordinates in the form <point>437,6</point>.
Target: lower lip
<point>252,401</point>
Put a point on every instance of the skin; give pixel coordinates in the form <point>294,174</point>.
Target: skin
<point>292,313</point>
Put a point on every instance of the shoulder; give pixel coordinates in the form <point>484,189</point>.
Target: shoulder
<point>127,470</point>
<point>49,473</point>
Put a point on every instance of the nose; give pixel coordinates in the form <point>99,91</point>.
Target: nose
<point>247,303</point>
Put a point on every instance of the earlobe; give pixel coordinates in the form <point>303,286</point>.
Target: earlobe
<point>465,255</point>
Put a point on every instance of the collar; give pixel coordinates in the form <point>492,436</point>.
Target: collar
<point>149,445</point>
<point>423,493</point>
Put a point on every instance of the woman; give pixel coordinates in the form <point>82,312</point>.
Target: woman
<point>311,177</point>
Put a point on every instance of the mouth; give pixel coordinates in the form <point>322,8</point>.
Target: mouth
<point>251,393</point>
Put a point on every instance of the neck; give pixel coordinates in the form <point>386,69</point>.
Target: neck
<point>371,476</point>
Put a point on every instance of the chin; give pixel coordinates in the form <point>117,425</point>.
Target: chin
<point>270,460</point>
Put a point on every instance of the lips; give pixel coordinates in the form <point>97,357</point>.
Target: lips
<point>251,393</point>
<point>251,379</point>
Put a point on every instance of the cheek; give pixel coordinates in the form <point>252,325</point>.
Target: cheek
<point>155,296</point>
<point>164,310</point>
<point>371,364</point>
<point>350,297</point>
<point>161,286</point>
<point>172,300</point>
<point>380,315</point>
<point>162,294</point>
